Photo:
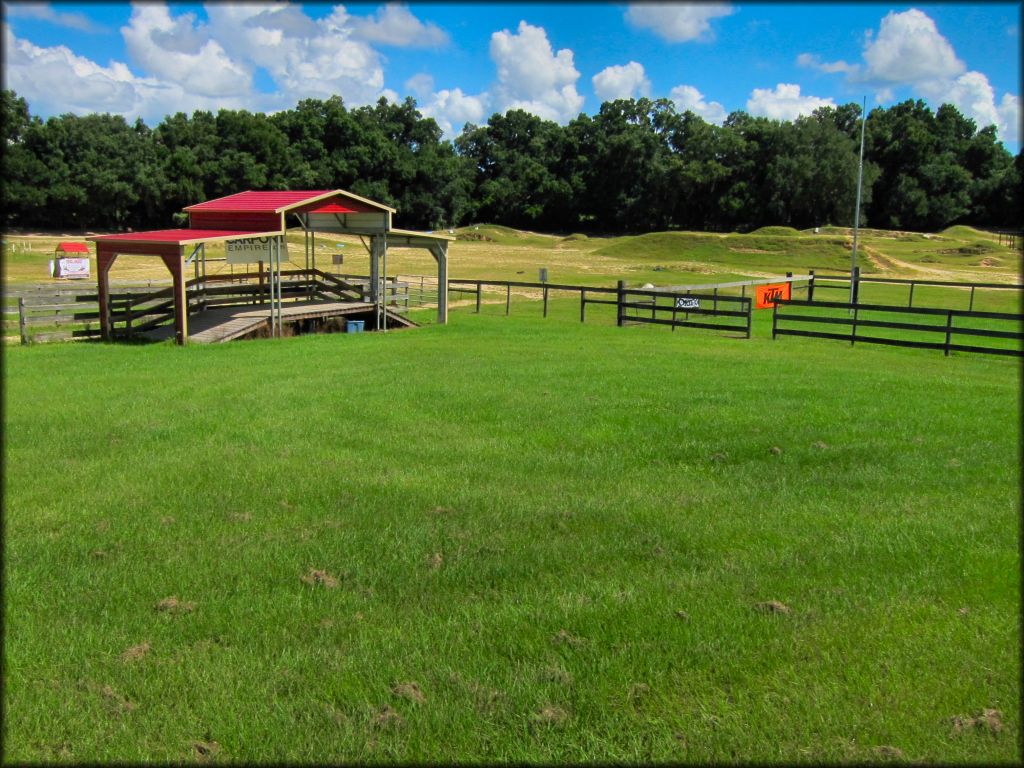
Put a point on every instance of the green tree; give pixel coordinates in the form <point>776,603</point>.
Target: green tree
<point>26,178</point>
<point>515,157</point>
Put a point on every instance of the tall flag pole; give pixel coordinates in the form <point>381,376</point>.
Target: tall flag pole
<point>856,212</point>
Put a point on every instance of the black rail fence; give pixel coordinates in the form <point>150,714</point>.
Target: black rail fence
<point>919,327</point>
<point>657,306</point>
<point>842,283</point>
<point>675,308</point>
<point>47,313</point>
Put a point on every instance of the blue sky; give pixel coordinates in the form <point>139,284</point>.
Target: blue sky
<point>464,61</point>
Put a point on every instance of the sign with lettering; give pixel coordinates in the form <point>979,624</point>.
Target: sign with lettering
<point>767,295</point>
<point>249,250</point>
<point>687,302</point>
<point>72,268</point>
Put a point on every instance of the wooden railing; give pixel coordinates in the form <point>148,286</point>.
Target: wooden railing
<point>61,313</point>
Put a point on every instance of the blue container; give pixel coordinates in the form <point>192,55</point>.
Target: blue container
<point>354,326</point>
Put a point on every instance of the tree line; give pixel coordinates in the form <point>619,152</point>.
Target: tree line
<point>637,165</point>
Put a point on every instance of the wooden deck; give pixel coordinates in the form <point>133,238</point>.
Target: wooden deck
<point>226,323</point>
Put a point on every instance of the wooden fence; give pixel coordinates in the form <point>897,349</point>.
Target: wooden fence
<point>62,313</point>
<point>1003,329</point>
<point>59,313</point>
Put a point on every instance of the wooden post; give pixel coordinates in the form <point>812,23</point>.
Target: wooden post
<point>853,331</point>
<point>128,317</point>
<point>508,299</point>
<point>970,307</point>
<point>749,305</point>
<point>855,277</point>
<point>545,301</point>
<point>619,298</point>
<point>714,306</point>
<point>674,311</point>
<point>174,264</point>
<point>911,302</point>
<point>104,261</point>
<point>949,330</point>
<point>775,320</point>
<point>478,289</point>
<point>810,285</point>
<point>583,305</point>
<point>22,324</point>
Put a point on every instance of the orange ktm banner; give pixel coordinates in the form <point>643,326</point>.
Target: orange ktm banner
<point>767,295</point>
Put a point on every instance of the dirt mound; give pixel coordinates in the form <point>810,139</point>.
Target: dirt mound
<point>778,231</point>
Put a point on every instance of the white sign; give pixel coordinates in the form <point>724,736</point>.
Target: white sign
<point>687,302</point>
<point>249,250</point>
<point>72,268</point>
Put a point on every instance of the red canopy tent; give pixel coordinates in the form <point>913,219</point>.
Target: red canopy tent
<point>69,247</point>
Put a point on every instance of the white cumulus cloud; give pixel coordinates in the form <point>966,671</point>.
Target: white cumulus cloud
<point>54,80</point>
<point>909,53</point>
<point>686,97</point>
<point>1009,114</point>
<point>973,95</point>
<point>46,12</point>
<point>452,108</point>
<point>908,49</point>
<point>420,85</point>
<point>784,102</point>
<point>177,51</point>
<point>394,24</point>
<point>532,77</point>
<point>621,82</point>
<point>305,58</point>
<point>180,63</point>
<point>812,61</point>
<point>677,22</point>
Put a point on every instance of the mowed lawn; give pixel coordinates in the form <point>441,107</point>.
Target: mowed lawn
<point>511,539</point>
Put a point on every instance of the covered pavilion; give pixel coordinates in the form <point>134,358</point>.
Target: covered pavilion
<point>249,215</point>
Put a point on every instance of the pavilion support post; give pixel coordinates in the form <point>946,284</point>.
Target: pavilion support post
<point>104,261</point>
<point>202,284</point>
<point>281,254</point>
<point>375,297</point>
<point>440,253</point>
<point>176,267</point>
<point>384,283</point>
<point>275,287</point>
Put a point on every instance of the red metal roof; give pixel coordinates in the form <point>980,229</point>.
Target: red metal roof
<point>181,236</point>
<point>278,202</point>
<point>73,247</point>
<point>262,202</point>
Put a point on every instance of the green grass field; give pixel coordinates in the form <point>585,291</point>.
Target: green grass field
<point>511,539</point>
